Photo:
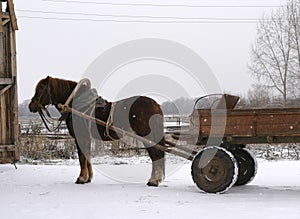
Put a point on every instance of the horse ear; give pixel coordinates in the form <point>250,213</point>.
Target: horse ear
<point>48,80</point>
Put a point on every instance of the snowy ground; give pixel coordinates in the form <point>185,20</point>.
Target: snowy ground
<point>48,191</point>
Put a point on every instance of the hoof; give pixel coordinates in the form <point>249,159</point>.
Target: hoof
<point>154,184</point>
<point>80,181</point>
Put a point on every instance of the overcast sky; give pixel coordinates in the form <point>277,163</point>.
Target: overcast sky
<point>65,45</point>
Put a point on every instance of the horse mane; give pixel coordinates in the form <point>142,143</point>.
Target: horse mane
<point>60,89</point>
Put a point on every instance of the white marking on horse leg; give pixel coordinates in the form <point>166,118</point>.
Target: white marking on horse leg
<point>157,174</point>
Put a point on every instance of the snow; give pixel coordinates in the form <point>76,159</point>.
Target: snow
<point>48,191</point>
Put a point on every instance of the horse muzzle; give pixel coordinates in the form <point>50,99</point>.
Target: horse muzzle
<point>33,107</point>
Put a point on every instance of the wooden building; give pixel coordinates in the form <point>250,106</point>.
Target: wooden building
<point>9,132</point>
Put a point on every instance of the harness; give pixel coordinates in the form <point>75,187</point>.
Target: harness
<point>109,121</point>
<point>85,103</point>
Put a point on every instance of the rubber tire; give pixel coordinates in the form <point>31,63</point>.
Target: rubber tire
<point>214,170</point>
<point>247,165</point>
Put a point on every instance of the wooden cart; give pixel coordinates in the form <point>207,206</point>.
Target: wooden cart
<point>224,132</point>
<point>217,138</point>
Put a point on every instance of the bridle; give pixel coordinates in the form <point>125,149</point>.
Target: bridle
<point>38,102</point>
<point>41,108</point>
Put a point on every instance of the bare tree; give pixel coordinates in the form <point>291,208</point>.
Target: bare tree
<point>275,54</point>
<point>258,96</point>
<point>294,7</point>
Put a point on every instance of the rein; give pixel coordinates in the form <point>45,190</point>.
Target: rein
<point>45,120</point>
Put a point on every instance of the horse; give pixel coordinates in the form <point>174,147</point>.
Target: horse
<point>139,114</point>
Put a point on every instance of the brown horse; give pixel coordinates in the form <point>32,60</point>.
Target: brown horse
<point>141,115</point>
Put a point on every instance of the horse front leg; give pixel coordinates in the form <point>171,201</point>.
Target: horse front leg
<point>85,165</point>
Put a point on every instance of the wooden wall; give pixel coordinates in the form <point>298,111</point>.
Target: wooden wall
<point>8,84</point>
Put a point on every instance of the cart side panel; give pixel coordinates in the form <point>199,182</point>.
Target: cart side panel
<point>247,123</point>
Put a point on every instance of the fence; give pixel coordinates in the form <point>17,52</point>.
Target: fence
<point>37,143</point>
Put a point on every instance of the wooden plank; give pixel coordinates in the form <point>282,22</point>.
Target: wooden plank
<point>13,56</point>
<point>14,90</point>
<point>5,16</point>
<point>3,121</point>
<point>6,160</point>
<point>9,114</point>
<point>1,27</point>
<point>1,126</point>
<point>8,147</point>
<point>13,18</point>
<point>2,55</point>
<point>5,89</point>
<point>3,74</point>
<point>6,81</point>
<point>9,154</point>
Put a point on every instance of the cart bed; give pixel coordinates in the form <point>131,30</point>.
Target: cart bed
<point>246,126</point>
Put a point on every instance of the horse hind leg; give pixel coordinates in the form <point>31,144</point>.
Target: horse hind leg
<point>158,166</point>
<point>90,169</point>
<point>157,156</point>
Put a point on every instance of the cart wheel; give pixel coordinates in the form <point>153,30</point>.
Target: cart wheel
<point>214,170</point>
<point>247,165</point>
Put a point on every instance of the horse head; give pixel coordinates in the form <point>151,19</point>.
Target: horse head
<point>42,96</point>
